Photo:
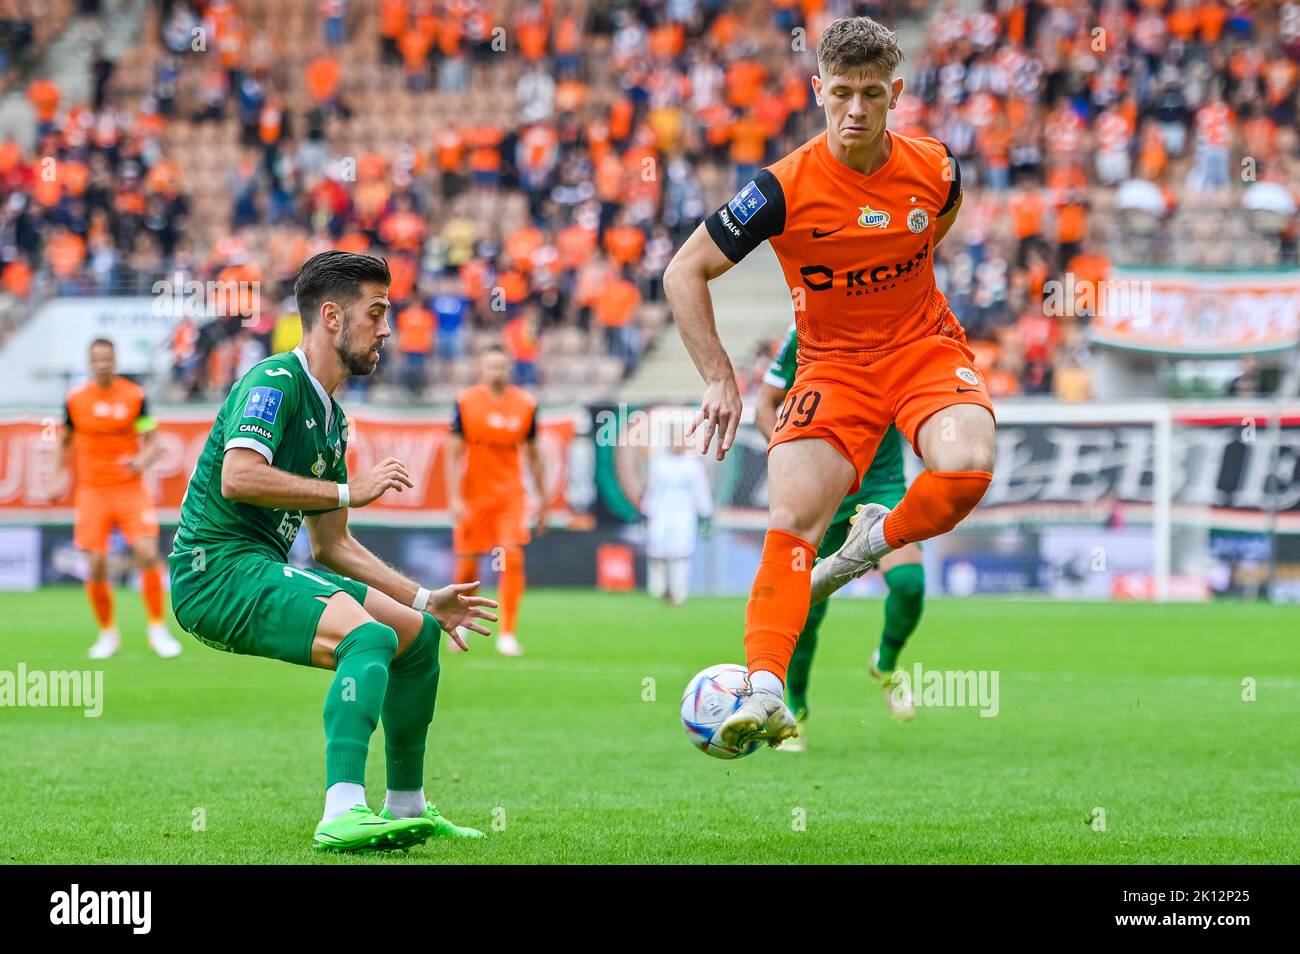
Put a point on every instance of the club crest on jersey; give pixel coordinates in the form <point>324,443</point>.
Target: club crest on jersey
<point>747,201</point>
<point>318,468</point>
<point>918,220</point>
<point>264,404</point>
<point>871,219</point>
<point>967,375</point>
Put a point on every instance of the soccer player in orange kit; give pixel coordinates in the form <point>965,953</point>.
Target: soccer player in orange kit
<point>109,434</point>
<point>853,216</point>
<point>492,421</point>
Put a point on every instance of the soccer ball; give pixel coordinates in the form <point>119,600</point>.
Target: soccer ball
<point>710,698</point>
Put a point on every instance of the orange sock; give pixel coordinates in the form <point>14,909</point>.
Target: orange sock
<point>935,503</point>
<point>466,567</point>
<point>778,602</point>
<point>151,592</point>
<point>512,588</point>
<point>101,602</point>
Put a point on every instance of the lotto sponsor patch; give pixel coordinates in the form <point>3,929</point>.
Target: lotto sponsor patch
<point>747,201</point>
<point>264,404</point>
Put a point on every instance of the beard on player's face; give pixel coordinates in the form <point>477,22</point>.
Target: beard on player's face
<point>360,361</point>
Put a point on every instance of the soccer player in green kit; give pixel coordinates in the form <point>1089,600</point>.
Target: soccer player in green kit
<point>276,457</point>
<point>883,483</point>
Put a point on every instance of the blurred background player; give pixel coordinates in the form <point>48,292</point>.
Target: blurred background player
<point>109,434</point>
<point>493,420</point>
<point>883,484</point>
<point>853,216</point>
<point>676,505</point>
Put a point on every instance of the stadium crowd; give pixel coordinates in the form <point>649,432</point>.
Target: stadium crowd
<point>540,202</point>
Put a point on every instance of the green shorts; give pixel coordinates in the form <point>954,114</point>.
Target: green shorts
<point>253,605</point>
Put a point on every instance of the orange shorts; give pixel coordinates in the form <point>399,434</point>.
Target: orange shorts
<point>482,529</point>
<point>100,509</point>
<point>851,407</point>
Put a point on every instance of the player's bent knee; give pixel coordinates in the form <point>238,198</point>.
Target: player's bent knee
<point>366,638</point>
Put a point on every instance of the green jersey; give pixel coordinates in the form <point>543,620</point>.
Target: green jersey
<point>283,413</point>
<point>884,481</point>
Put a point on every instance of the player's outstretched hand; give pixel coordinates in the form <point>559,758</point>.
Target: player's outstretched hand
<point>389,474</point>
<point>454,607</point>
<point>720,415</point>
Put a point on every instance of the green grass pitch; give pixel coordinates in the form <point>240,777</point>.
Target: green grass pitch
<point>1136,710</point>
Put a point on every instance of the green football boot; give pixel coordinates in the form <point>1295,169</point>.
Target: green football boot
<point>443,828</point>
<point>361,830</point>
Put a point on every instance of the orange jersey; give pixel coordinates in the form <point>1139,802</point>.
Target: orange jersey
<point>856,250</point>
<point>105,424</point>
<point>495,428</point>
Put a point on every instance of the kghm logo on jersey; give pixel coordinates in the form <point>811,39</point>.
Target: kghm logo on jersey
<point>871,219</point>
<point>918,220</point>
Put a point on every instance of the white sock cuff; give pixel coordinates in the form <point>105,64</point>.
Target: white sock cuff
<point>766,681</point>
<point>341,797</point>
<point>876,539</point>
<point>405,804</point>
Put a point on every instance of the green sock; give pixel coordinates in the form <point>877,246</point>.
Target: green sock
<point>902,611</point>
<point>796,676</point>
<point>408,708</point>
<point>352,706</point>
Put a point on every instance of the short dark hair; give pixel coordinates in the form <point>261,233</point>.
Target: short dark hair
<point>335,276</point>
<point>854,44</point>
<point>102,341</point>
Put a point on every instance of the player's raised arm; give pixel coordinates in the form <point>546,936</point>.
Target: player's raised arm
<point>247,477</point>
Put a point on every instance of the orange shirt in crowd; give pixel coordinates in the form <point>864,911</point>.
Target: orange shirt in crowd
<point>616,303</point>
<point>415,328</point>
<point>414,46</point>
<point>514,286</point>
<point>403,231</point>
<point>748,141</point>
<point>392,18</point>
<point>403,270</point>
<point>17,278</point>
<point>624,243</point>
<point>1026,214</point>
<point>574,245</point>
<point>620,119</point>
<point>1071,222</point>
<point>520,340</point>
<point>484,148</point>
<point>522,244</point>
<point>449,149</point>
<point>65,253</point>
<point>44,97</point>
<point>532,39</point>
<point>323,75</point>
<point>744,83</point>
